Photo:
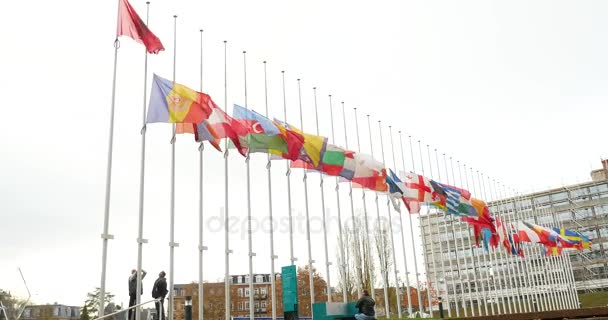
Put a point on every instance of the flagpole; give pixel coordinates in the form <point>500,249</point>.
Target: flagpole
<point>513,278</point>
<point>172,243</point>
<point>517,268</point>
<point>390,225</point>
<point>105,236</point>
<point>566,278</point>
<point>273,284</point>
<point>506,306</point>
<point>428,276</point>
<point>506,259</point>
<point>407,274</point>
<point>249,230</point>
<point>571,282</point>
<point>478,283</point>
<point>140,229</point>
<point>451,221</point>
<point>542,266</point>
<point>461,233</point>
<point>381,236</point>
<point>366,246</point>
<point>442,260</point>
<point>358,262</point>
<point>201,248</point>
<point>343,264</point>
<point>486,292</point>
<point>542,298</point>
<point>551,265</point>
<point>327,262</point>
<point>459,272</point>
<point>423,236</point>
<point>534,278</point>
<point>227,252</point>
<point>557,267</point>
<point>492,257</point>
<point>288,174</point>
<point>487,263</point>
<point>305,179</point>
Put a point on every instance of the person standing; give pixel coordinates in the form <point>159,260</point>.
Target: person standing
<point>366,307</point>
<point>133,290</point>
<point>159,291</point>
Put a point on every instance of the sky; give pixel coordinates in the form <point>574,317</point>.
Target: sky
<point>514,90</point>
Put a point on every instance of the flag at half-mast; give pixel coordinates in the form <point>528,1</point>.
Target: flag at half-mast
<point>172,102</point>
<point>131,25</point>
<point>418,190</point>
<point>262,135</point>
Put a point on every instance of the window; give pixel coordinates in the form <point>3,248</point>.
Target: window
<point>246,279</point>
<point>259,278</point>
<point>256,291</point>
<point>56,311</point>
<point>246,305</point>
<point>243,279</point>
<point>257,305</point>
<point>263,304</point>
<point>263,290</point>
<point>240,292</point>
<point>246,292</point>
<point>26,313</point>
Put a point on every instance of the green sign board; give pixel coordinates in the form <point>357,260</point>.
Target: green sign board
<point>289,281</point>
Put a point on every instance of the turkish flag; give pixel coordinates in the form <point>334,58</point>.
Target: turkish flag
<point>131,25</point>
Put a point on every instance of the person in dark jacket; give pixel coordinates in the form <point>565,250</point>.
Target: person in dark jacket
<point>366,307</point>
<point>132,291</point>
<point>159,291</point>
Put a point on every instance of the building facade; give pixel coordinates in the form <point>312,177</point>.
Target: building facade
<point>51,312</point>
<point>490,282</point>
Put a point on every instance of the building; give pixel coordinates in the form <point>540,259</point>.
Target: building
<point>213,294</point>
<point>51,312</point>
<point>463,274</point>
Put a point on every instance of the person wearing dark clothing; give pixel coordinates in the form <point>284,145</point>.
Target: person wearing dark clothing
<point>132,291</point>
<point>366,307</point>
<point>159,291</point>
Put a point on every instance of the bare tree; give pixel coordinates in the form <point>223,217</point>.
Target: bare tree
<point>385,258</point>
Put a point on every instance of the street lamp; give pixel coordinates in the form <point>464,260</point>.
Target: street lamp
<point>188,308</point>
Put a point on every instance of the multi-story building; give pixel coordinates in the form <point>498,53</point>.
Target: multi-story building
<point>239,293</point>
<point>51,312</point>
<point>463,274</point>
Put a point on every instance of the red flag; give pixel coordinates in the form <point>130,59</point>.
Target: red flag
<point>131,25</point>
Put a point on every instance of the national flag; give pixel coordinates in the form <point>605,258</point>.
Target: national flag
<point>439,195</point>
<point>395,189</point>
<point>417,190</point>
<point>295,142</point>
<point>202,132</point>
<point>369,173</point>
<point>261,135</point>
<point>574,236</point>
<point>527,233</point>
<point>219,125</point>
<point>131,25</point>
<point>313,147</point>
<point>175,103</point>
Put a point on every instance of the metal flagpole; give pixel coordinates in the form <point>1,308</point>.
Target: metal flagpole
<point>402,231</point>
<point>227,252</point>
<point>506,259</point>
<point>390,225</point>
<point>343,264</point>
<point>452,222</point>
<point>249,230</point>
<point>292,258</point>
<point>559,284</point>
<point>381,236</point>
<point>485,263</point>
<point>441,258</point>
<point>571,282</point>
<point>478,284</point>
<point>140,231</point>
<point>418,286</point>
<point>327,262</point>
<point>542,267</point>
<point>500,294</point>
<point>490,261</point>
<point>517,268</point>
<point>506,306</point>
<point>423,236</point>
<point>462,236</point>
<point>446,217</point>
<point>358,261</point>
<point>201,248</point>
<point>558,268</point>
<point>273,284</point>
<point>172,243</point>
<point>310,260</point>
<point>105,236</point>
<point>530,269</point>
<point>366,247</point>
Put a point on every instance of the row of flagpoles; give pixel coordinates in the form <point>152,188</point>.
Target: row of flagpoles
<point>210,123</point>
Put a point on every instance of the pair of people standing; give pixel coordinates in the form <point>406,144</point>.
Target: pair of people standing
<point>159,291</point>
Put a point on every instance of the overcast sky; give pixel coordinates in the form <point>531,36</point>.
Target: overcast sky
<point>514,89</point>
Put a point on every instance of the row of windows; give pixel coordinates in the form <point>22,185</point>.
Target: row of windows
<point>242,306</point>
<point>244,292</point>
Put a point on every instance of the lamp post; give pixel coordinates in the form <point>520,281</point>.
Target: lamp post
<point>440,303</point>
<point>188,308</point>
